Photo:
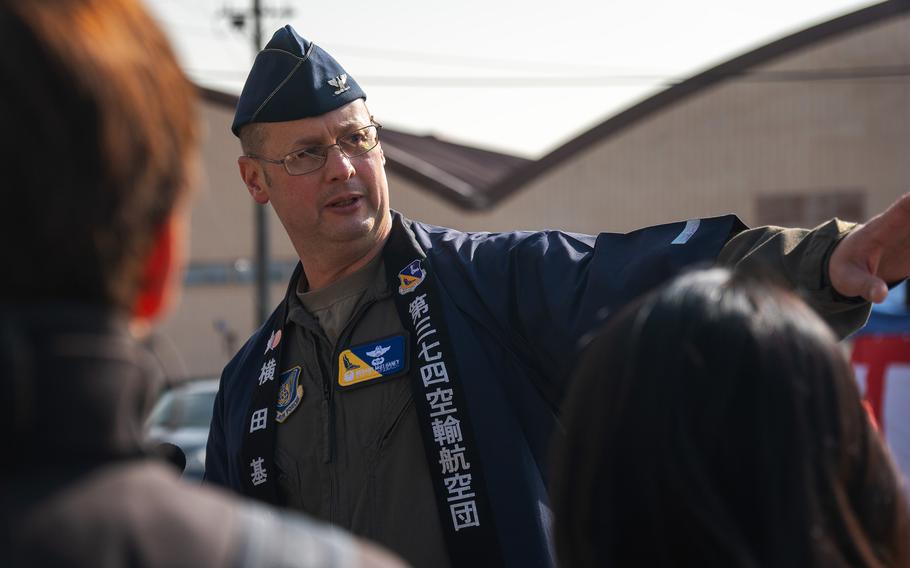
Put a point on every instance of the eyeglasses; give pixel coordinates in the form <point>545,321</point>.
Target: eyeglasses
<point>310,159</point>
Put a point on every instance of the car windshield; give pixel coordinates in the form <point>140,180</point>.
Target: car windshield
<point>164,408</point>
<point>197,409</point>
<point>176,409</point>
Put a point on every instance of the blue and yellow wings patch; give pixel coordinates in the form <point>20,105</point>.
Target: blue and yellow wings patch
<point>373,360</point>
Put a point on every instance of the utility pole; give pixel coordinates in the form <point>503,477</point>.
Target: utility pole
<point>238,19</point>
<point>260,220</point>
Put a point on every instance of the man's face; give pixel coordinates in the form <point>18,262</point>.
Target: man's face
<point>343,205</point>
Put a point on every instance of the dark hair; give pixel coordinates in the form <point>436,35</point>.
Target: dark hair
<point>100,131</point>
<point>716,422</point>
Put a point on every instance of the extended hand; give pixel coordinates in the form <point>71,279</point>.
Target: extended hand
<point>873,255</point>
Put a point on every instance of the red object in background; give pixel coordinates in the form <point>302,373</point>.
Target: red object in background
<point>877,353</point>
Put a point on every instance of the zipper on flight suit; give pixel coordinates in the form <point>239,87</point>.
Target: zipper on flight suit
<point>328,409</point>
<point>328,388</point>
<point>328,426</point>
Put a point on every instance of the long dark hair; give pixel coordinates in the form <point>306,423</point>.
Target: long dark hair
<point>716,422</point>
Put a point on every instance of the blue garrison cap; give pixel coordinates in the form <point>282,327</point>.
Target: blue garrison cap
<point>293,78</point>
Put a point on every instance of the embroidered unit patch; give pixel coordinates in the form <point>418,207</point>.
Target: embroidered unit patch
<point>290,393</point>
<point>410,277</point>
<point>373,360</point>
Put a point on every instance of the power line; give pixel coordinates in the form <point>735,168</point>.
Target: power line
<point>794,76</point>
<point>459,60</point>
<point>582,81</point>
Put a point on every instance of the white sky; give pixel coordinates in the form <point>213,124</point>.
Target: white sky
<point>516,76</point>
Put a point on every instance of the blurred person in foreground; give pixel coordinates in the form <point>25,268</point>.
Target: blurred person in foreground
<point>98,153</point>
<point>716,422</point>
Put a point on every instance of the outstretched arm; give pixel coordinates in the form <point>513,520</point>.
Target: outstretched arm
<point>799,257</point>
<point>874,255</point>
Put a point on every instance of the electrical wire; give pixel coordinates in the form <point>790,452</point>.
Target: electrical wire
<point>486,82</point>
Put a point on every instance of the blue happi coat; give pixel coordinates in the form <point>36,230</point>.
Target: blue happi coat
<point>514,307</point>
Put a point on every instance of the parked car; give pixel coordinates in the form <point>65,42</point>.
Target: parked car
<point>181,417</point>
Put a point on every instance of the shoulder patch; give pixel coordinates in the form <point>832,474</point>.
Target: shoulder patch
<point>410,277</point>
<point>290,393</point>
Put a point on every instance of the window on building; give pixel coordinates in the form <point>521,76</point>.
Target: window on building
<point>808,209</point>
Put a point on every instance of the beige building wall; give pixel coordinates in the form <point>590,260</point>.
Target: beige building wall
<point>719,150</point>
<point>189,343</point>
<point>223,211</point>
<point>713,153</point>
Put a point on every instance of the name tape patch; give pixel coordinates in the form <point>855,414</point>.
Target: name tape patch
<point>373,360</point>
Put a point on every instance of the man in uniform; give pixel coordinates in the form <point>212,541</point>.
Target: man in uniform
<point>408,384</point>
<point>98,153</point>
